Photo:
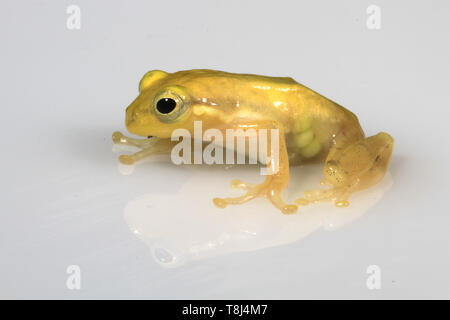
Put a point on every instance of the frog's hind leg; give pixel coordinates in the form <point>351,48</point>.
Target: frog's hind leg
<point>348,169</point>
<point>275,182</point>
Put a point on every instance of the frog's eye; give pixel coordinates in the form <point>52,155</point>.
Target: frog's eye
<point>170,103</point>
<point>166,105</point>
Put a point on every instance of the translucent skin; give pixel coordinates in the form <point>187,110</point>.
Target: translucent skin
<point>311,128</point>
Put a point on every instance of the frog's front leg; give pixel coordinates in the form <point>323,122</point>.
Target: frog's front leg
<point>353,167</point>
<point>119,138</point>
<point>274,183</point>
<point>150,146</point>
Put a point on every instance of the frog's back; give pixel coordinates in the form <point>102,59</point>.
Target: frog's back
<point>235,92</point>
<point>261,97</point>
<point>242,78</point>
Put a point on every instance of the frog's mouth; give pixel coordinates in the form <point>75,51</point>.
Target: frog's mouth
<point>149,137</point>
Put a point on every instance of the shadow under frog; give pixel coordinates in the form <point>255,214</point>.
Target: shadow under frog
<point>183,227</point>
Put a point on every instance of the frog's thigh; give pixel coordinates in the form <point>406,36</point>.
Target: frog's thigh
<point>358,166</point>
<point>274,184</point>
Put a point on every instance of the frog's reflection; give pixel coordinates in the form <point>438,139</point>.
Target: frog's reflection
<point>187,226</point>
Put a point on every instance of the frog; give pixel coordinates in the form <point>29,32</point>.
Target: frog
<point>311,128</point>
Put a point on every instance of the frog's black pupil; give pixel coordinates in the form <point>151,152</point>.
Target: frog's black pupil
<point>166,105</point>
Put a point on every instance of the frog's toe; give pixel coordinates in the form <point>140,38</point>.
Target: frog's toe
<point>219,202</point>
<point>276,200</point>
<point>128,160</point>
<point>341,203</point>
<point>223,202</point>
<point>289,209</point>
<point>253,191</point>
<point>117,137</point>
<point>339,195</point>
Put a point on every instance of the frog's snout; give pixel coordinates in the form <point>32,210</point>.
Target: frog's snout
<point>134,122</point>
<point>130,121</point>
<point>131,117</point>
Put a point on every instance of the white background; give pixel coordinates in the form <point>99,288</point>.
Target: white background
<point>154,233</point>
